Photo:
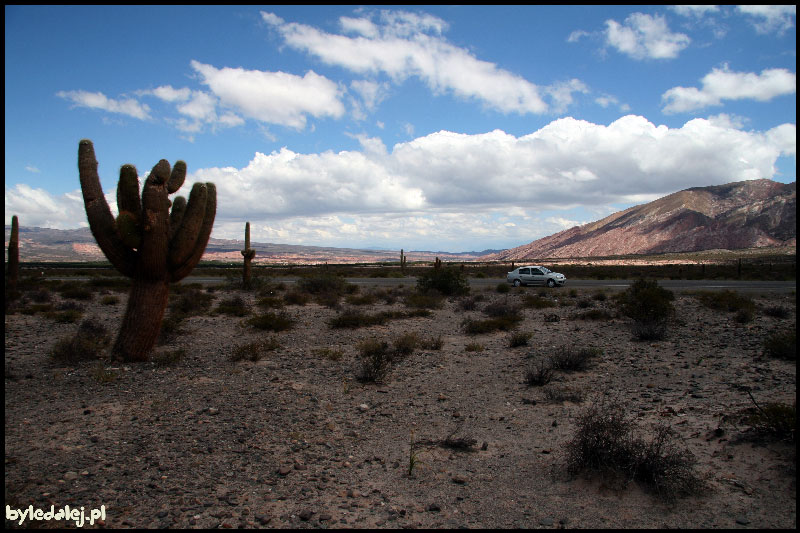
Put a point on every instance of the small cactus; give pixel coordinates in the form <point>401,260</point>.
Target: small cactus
<point>402,261</point>
<point>147,242</point>
<point>437,264</point>
<point>13,258</point>
<point>248,254</point>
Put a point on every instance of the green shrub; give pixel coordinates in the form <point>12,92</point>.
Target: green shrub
<point>447,281</point>
<point>490,325</point>
<point>650,307</point>
<point>296,297</point>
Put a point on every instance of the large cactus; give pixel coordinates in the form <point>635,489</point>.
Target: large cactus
<point>248,254</point>
<point>147,242</point>
<point>13,259</point>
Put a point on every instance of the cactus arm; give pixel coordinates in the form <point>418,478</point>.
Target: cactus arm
<point>176,215</point>
<point>155,224</point>
<point>101,221</point>
<point>176,178</point>
<point>183,242</point>
<point>128,191</point>
<point>182,270</point>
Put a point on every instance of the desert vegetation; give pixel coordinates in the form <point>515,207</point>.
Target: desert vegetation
<point>334,404</point>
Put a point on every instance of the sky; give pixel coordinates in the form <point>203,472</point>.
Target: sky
<point>438,128</point>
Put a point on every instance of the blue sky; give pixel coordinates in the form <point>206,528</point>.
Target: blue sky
<point>444,128</point>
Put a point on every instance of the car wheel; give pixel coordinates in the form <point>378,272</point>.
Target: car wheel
<point>516,283</point>
<point>551,283</point>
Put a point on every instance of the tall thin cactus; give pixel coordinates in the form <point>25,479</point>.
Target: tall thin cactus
<point>13,259</point>
<point>248,254</point>
<point>402,261</point>
<point>147,242</point>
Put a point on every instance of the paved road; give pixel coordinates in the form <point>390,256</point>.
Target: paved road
<point>482,283</point>
<point>616,284</point>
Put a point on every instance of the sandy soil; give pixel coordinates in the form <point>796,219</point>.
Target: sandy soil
<point>294,440</point>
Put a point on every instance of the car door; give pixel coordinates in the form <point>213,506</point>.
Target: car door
<point>537,277</point>
<point>525,275</point>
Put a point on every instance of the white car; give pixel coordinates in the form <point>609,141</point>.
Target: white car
<point>535,275</point>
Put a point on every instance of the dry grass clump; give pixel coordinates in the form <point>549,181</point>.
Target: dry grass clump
<point>650,307</point>
<point>252,351</point>
<point>607,441</point>
<point>573,359</point>
<point>271,321</point>
<point>782,344</point>
<point>86,344</point>
<point>539,373</point>
<point>234,306</point>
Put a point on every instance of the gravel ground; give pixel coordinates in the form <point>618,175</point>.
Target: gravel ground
<point>295,440</point>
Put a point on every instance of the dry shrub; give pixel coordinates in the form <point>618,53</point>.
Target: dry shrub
<point>607,441</point>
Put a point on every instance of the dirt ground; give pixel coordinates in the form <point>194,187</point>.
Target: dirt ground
<point>295,440</point>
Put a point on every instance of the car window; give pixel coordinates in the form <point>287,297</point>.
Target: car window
<point>546,270</point>
<point>524,270</point>
<point>536,271</point>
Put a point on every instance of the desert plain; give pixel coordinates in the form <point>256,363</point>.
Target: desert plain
<point>453,436</point>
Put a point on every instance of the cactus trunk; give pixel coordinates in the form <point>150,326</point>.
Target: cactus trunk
<point>13,257</point>
<point>248,254</point>
<point>146,241</point>
<point>141,324</point>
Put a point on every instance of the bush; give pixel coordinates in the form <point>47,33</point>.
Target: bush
<point>571,359</point>
<point>726,300</point>
<point>539,374</point>
<point>606,440</point>
<point>271,322</point>
<point>782,345</point>
<point>650,307</point>
<point>490,325</point>
<point>423,300</point>
<point>405,344</point>
<point>86,344</point>
<point>252,351</point>
<point>353,318</point>
<point>375,361</point>
<point>447,281</point>
<point>235,306</point>
<point>519,339</point>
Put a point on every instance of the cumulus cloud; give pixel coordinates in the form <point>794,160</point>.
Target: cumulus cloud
<point>723,84</point>
<point>768,19</point>
<point>642,36</point>
<point>124,106</point>
<point>462,189</point>
<point>273,97</point>
<point>402,45</point>
<point>39,208</point>
<point>566,164</point>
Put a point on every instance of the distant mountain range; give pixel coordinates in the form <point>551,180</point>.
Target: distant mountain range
<point>745,214</point>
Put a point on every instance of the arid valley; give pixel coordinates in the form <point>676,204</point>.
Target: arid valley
<point>230,425</point>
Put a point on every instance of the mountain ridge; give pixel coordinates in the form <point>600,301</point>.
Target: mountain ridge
<point>738,215</point>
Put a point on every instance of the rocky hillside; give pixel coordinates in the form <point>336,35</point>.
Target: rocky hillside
<point>745,214</point>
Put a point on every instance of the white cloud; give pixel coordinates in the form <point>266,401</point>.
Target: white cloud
<point>405,45</point>
<point>722,84</point>
<point>38,208</point>
<point>125,106</point>
<point>698,11</point>
<point>453,191</point>
<point>272,97</point>
<point>768,19</point>
<point>645,37</point>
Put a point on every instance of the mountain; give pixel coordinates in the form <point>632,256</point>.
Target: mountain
<point>76,245</point>
<point>745,214</point>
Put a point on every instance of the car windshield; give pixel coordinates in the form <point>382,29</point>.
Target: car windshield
<point>546,271</point>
